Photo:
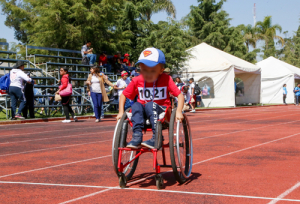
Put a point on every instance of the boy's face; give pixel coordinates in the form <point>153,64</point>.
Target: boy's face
<point>190,81</point>
<point>150,74</point>
<point>125,77</point>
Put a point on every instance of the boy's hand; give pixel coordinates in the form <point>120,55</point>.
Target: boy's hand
<point>119,116</point>
<point>179,116</point>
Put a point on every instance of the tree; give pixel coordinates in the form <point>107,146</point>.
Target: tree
<point>171,38</point>
<point>250,35</point>
<point>68,23</point>
<point>267,33</point>
<point>210,24</point>
<point>290,53</point>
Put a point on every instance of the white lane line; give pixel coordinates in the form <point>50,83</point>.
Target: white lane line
<point>243,115</point>
<point>89,127</point>
<point>102,157</point>
<point>210,194</point>
<point>247,121</point>
<point>223,155</point>
<point>143,189</point>
<point>201,138</point>
<point>55,184</point>
<point>50,138</point>
<point>281,196</point>
<point>49,167</point>
<point>66,146</point>
<point>86,196</point>
<point>247,148</point>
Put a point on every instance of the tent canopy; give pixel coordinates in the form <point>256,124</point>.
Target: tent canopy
<point>214,71</point>
<point>205,58</point>
<point>274,74</point>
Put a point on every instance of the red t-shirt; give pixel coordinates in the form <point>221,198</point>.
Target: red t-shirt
<point>103,59</point>
<point>163,86</point>
<point>126,61</point>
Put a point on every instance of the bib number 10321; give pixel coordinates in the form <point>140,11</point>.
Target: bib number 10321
<point>147,94</point>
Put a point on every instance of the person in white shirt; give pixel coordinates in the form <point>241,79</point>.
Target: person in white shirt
<point>122,83</point>
<point>96,90</point>
<point>17,79</point>
<point>192,93</point>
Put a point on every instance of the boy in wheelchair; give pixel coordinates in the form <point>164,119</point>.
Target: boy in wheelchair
<point>153,88</point>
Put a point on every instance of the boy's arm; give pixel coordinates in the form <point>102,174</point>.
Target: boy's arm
<point>179,115</point>
<point>121,106</point>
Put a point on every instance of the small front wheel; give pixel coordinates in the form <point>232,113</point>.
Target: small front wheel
<point>122,181</point>
<point>159,180</point>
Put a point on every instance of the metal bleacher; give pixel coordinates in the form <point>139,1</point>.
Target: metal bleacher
<point>46,75</point>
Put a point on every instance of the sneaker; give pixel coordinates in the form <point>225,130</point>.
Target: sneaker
<point>149,143</point>
<point>193,111</point>
<point>75,119</point>
<point>18,116</point>
<point>66,121</point>
<point>135,143</point>
<point>102,117</point>
<point>97,120</point>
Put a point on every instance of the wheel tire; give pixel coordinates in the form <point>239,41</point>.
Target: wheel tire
<point>115,151</point>
<point>177,169</point>
<point>159,181</point>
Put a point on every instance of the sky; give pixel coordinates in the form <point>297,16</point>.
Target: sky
<point>284,12</point>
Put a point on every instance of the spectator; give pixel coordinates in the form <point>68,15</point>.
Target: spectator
<point>17,78</point>
<point>167,71</point>
<point>65,101</point>
<point>117,58</point>
<point>179,83</point>
<point>137,71</point>
<point>103,61</point>
<point>197,92</point>
<point>96,90</point>
<point>297,94</point>
<point>87,52</point>
<point>126,60</point>
<point>122,83</point>
<point>284,94</point>
<point>29,96</point>
<point>187,97</point>
<point>193,96</point>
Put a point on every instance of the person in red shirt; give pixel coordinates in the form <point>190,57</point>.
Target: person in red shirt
<point>103,61</point>
<point>153,88</point>
<point>126,60</point>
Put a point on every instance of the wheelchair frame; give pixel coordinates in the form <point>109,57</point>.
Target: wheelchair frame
<point>169,120</point>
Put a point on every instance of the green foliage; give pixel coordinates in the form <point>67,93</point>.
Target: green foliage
<point>210,24</point>
<point>291,51</point>
<point>267,32</point>
<point>171,39</point>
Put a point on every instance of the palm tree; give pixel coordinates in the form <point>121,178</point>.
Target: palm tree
<point>267,32</point>
<point>160,5</point>
<point>250,35</point>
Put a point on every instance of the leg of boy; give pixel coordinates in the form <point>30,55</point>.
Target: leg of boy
<point>152,110</point>
<point>137,119</point>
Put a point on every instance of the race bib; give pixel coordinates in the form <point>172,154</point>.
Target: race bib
<point>147,95</point>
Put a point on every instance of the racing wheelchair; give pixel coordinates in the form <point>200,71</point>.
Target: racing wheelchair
<point>125,160</point>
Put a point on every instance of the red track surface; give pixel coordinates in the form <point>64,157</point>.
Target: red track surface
<point>240,156</point>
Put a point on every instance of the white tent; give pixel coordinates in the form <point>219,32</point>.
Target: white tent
<point>215,71</point>
<point>275,73</point>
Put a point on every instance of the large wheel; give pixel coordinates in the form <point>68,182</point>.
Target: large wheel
<point>129,170</point>
<point>181,148</point>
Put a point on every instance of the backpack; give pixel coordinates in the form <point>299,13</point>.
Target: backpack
<point>5,82</point>
<point>197,90</point>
